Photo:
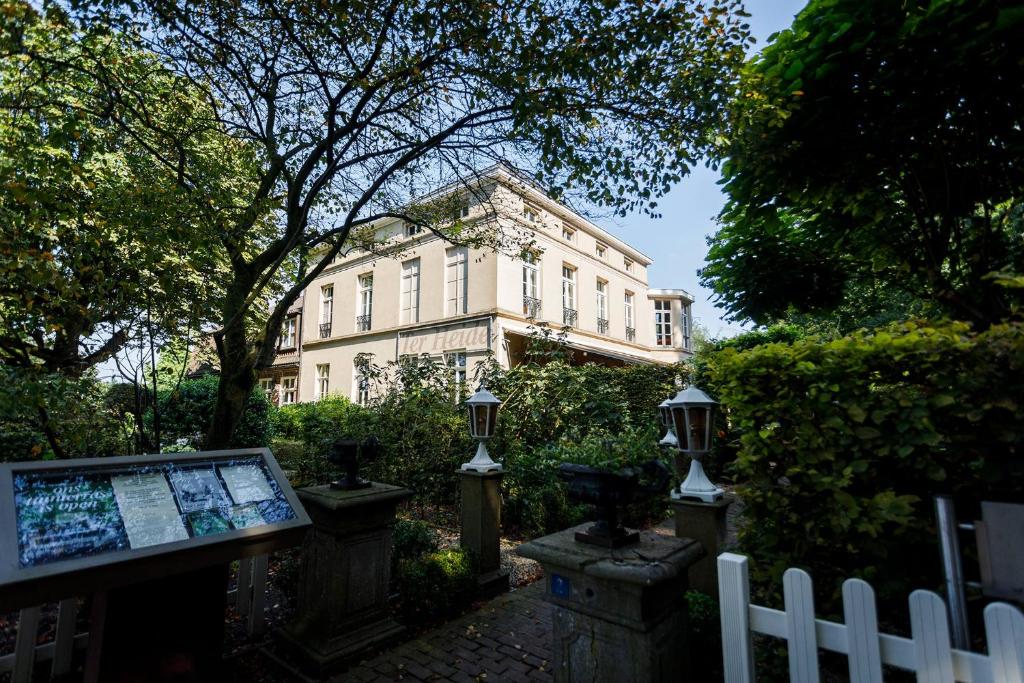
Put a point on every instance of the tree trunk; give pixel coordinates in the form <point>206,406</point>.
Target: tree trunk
<point>233,392</point>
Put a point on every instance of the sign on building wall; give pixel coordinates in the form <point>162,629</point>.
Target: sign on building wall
<point>471,337</point>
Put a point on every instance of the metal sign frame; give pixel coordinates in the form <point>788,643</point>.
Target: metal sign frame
<point>26,586</point>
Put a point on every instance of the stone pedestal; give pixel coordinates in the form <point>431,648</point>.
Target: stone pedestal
<point>481,527</point>
<point>705,523</point>
<point>620,615</point>
<point>344,575</point>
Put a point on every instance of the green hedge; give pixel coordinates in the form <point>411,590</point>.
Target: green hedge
<point>843,444</point>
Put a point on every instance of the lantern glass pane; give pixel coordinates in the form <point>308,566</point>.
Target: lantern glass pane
<point>699,429</point>
<point>472,420</point>
<point>679,426</point>
<point>666,416</point>
<point>492,420</point>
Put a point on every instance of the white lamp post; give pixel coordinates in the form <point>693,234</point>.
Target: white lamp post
<point>693,414</point>
<point>669,440</point>
<point>483,416</point>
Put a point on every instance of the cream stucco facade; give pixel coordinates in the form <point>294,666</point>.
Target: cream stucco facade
<point>420,294</point>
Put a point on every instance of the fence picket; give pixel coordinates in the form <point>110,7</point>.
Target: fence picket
<point>1004,631</point>
<point>734,599</point>
<point>259,595</point>
<point>243,593</point>
<point>64,639</point>
<point>865,656</point>
<point>798,595</point>
<point>930,630</point>
<point>25,645</point>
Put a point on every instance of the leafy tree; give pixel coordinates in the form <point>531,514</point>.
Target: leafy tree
<point>101,241</point>
<point>360,106</point>
<point>875,152</point>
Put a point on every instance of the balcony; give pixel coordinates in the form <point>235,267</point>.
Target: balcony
<point>325,330</point>
<point>569,316</point>
<point>631,334</point>
<point>602,325</point>
<point>362,323</point>
<point>531,307</point>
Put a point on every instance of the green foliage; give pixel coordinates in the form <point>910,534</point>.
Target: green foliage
<point>185,415</point>
<point>38,409</point>
<point>874,158</point>
<point>843,444</point>
<point>705,631</point>
<point>437,585</point>
<point>411,539</point>
<point>101,233</point>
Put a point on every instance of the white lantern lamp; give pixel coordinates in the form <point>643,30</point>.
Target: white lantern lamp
<point>483,417</point>
<point>693,414</point>
<point>665,412</point>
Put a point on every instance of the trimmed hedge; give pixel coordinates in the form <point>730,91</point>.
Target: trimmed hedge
<point>843,444</point>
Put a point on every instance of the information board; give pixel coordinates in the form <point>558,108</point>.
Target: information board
<point>62,516</point>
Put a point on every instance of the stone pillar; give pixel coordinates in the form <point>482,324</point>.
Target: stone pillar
<point>481,527</point>
<point>620,615</point>
<point>705,523</point>
<point>344,575</point>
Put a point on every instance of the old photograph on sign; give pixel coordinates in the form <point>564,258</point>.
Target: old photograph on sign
<point>198,489</point>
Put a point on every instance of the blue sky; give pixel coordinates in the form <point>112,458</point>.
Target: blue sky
<point>676,240</point>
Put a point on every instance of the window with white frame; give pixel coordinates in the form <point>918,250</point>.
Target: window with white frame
<point>568,234</point>
<point>461,211</point>
<point>267,386</point>
<point>411,229</point>
<point>289,389</point>
<point>531,275</point>
<point>361,387</point>
<point>288,329</point>
<point>531,214</point>
<point>601,250</point>
<point>456,267</point>
<point>627,303</point>
<point>410,297</point>
<point>602,300</point>
<point>326,304</point>
<point>568,287</point>
<point>663,322</point>
<point>323,380</point>
<point>456,360</point>
<point>365,310</point>
<point>628,265</point>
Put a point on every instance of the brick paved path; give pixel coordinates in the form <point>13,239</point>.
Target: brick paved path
<point>508,639</point>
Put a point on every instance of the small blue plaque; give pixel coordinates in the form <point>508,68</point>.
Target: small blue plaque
<point>560,586</point>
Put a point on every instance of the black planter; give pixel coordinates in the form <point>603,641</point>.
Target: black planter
<point>606,491</point>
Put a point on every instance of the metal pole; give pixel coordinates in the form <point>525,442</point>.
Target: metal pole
<point>952,569</point>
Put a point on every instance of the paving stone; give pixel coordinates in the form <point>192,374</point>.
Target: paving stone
<point>482,642</point>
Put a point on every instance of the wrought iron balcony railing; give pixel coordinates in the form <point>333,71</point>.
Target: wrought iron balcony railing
<point>362,323</point>
<point>602,325</point>
<point>631,334</point>
<point>325,330</point>
<point>531,307</point>
<point>569,316</point>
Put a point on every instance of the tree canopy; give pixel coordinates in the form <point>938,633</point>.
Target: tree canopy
<point>877,146</point>
<point>100,234</point>
<point>359,107</point>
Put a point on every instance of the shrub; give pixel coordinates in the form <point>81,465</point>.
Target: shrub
<point>536,503</point>
<point>843,444</point>
<point>76,416</point>
<point>185,414</point>
<point>411,539</point>
<point>438,585</point>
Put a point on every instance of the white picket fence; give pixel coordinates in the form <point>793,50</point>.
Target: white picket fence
<point>928,652</point>
<point>250,598</point>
